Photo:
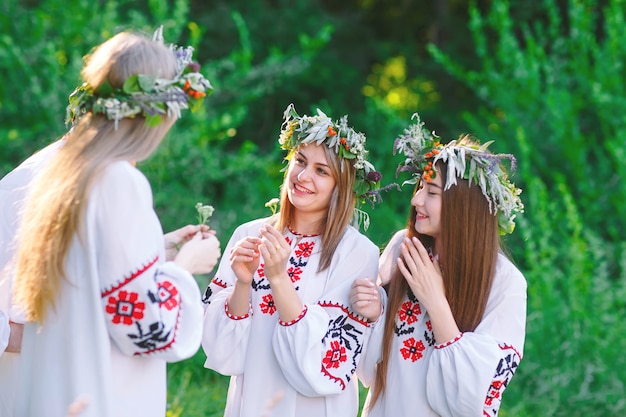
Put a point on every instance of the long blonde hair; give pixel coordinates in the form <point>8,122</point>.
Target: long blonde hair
<point>53,214</point>
<point>340,208</point>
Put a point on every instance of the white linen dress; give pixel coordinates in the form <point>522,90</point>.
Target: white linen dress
<point>120,315</point>
<point>302,368</point>
<point>14,187</point>
<point>464,377</point>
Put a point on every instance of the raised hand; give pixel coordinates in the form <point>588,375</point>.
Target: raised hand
<point>244,258</point>
<point>176,238</point>
<point>424,277</point>
<point>199,255</point>
<point>275,251</point>
<point>421,273</point>
<point>365,299</point>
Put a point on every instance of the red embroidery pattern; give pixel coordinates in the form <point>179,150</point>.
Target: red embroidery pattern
<point>167,295</point>
<point>335,355</point>
<point>294,321</point>
<point>504,372</point>
<point>232,316</point>
<point>294,273</point>
<point>129,279</point>
<point>219,282</point>
<point>295,269</point>
<point>409,312</point>
<point>125,308</point>
<point>304,249</point>
<point>267,305</point>
<point>334,378</point>
<point>449,342</point>
<point>347,312</point>
<point>412,349</point>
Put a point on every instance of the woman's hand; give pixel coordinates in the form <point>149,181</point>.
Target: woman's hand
<point>421,273</point>
<point>365,299</point>
<point>176,238</point>
<point>15,337</point>
<point>275,251</point>
<point>244,259</point>
<point>424,277</point>
<point>200,254</point>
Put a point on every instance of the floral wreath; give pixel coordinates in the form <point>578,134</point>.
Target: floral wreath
<point>338,136</point>
<point>469,161</point>
<point>143,94</point>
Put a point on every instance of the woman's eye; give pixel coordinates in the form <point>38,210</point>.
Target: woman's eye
<point>322,171</point>
<point>299,161</point>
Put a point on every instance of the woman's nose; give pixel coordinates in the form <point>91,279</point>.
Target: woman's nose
<point>304,174</point>
<point>416,201</point>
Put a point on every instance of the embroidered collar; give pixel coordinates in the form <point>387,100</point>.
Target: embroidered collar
<point>293,232</point>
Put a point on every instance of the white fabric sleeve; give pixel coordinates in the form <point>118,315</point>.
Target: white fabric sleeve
<point>224,337</point>
<point>372,353</point>
<point>5,331</point>
<point>151,308</point>
<point>372,349</point>
<point>319,353</point>
<point>468,376</point>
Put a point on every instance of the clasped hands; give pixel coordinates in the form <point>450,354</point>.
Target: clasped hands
<point>245,255</point>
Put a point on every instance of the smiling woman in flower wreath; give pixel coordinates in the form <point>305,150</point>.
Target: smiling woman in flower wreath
<point>105,308</point>
<point>277,316</point>
<point>453,330</point>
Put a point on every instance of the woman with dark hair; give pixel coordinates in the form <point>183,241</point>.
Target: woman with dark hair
<point>105,306</point>
<point>277,318</point>
<point>453,330</point>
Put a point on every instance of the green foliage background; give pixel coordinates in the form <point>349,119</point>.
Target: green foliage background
<point>544,79</point>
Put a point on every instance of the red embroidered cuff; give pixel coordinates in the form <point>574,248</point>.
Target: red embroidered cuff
<point>449,342</point>
<point>230,316</point>
<point>294,321</point>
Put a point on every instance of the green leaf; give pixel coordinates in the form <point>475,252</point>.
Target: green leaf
<point>146,82</point>
<point>131,84</point>
<point>153,120</point>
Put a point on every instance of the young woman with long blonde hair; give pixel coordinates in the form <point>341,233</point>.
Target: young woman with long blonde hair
<point>105,308</point>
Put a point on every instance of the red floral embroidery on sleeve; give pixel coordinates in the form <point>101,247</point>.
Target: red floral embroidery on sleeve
<point>167,295</point>
<point>335,355</point>
<point>126,308</point>
<point>504,372</point>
